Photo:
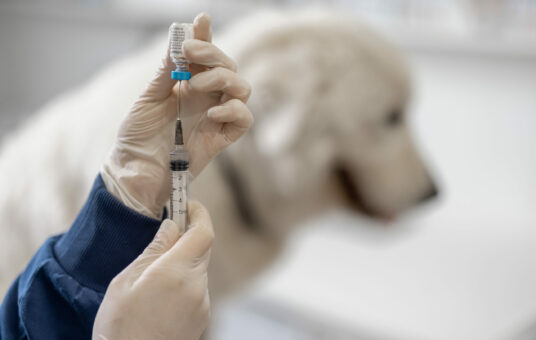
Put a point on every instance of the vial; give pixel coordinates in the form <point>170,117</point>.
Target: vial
<point>178,32</point>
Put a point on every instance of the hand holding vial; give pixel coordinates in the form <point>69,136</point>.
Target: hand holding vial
<point>213,114</point>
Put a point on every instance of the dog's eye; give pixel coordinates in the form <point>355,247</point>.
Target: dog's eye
<point>394,118</point>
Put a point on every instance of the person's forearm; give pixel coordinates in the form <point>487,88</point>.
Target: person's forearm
<point>59,292</point>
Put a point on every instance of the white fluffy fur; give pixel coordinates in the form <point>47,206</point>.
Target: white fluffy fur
<point>322,88</point>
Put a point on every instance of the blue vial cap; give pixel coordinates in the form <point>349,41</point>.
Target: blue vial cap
<point>178,75</point>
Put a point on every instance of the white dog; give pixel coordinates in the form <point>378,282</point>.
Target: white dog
<point>329,99</point>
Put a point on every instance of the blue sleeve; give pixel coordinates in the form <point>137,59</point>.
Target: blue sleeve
<point>58,294</point>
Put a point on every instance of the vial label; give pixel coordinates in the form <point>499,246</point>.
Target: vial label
<point>177,37</point>
<point>177,34</point>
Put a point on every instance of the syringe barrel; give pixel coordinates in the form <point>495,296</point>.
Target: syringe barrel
<point>178,33</point>
<point>179,187</point>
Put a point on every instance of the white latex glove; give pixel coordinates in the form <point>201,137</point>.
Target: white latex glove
<point>163,293</point>
<point>213,114</point>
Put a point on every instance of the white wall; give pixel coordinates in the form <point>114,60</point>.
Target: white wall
<point>46,50</point>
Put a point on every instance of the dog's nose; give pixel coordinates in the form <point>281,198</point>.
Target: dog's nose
<point>430,194</point>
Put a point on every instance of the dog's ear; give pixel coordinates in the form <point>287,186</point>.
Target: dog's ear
<point>274,134</point>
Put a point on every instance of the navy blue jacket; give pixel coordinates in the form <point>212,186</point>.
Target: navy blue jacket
<point>58,294</point>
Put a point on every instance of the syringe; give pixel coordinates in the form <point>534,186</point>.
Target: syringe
<point>179,157</point>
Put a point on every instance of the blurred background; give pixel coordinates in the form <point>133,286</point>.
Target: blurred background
<point>461,267</point>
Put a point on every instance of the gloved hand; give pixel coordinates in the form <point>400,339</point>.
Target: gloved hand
<point>213,114</point>
<point>163,293</point>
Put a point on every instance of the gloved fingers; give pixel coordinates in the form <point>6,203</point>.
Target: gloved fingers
<point>161,86</point>
<point>203,32</point>
<point>239,120</point>
<point>203,27</point>
<point>196,241</point>
<point>220,79</point>
<point>204,53</point>
<point>234,113</point>
<point>166,236</point>
<point>205,305</point>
